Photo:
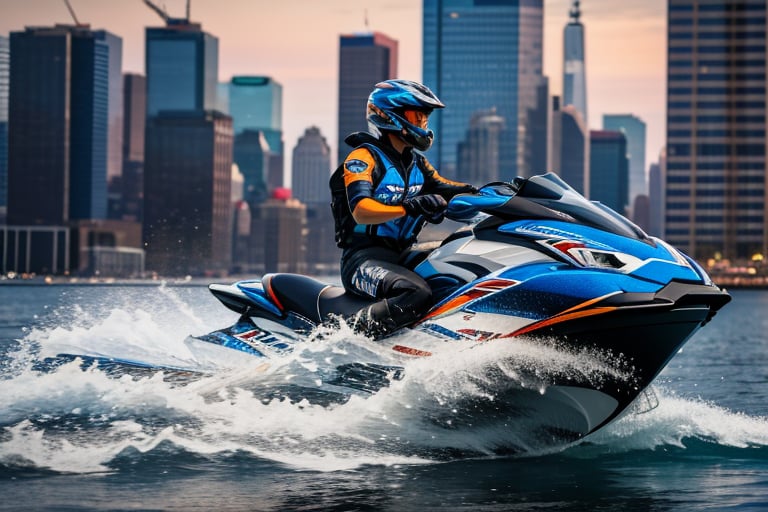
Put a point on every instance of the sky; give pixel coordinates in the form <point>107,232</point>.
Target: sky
<point>296,42</point>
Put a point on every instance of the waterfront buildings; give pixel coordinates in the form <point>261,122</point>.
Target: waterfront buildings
<point>716,193</point>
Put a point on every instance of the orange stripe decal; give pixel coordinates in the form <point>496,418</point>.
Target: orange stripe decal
<point>268,286</point>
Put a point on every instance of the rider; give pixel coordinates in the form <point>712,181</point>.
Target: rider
<point>382,195</point>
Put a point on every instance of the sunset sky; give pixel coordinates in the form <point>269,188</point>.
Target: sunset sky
<point>296,42</point>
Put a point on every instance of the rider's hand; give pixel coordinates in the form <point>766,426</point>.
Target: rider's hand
<point>431,206</point>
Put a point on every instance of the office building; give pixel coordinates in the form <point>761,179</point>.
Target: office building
<point>482,152</point>
<point>609,169</point>
<point>126,191</point>
<point>311,168</point>
<point>256,104</point>
<point>365,59</point>
<point>569,146</point>
<point>311,173</point>
<point>716,129</point>
<point>182,66</point>
<point>278,232</point>
<point>60,118</point>
<point>574,64</point>
<point>657,197</point>
<point>5,67</point>
<point>252,157</point>
<point>187,193</point>
<point>633,129</point>
<point>479,55</point>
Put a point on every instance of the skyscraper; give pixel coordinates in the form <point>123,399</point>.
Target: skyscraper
<point>656,197</point>
<point>256,104</point>
<point>574,68</point>
<point>633,129</point>
<point>311,168</point>
<point>187,188</point>
<point>5,63</point>
<point>716,189</point>
<point>609,169</point>
<point>482,152</point>
<point>188,153</point>
<point>311,172</point>
<point>59,119</point>
<point>569,155</point>
<point>129,189</point>
<point>182,65</point>
<point>364,60</point>
<point>483,54</point>
<point>278,229</point>
<point>252,156</point>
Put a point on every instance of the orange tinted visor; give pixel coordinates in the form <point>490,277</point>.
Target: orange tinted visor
<point>417,118</point>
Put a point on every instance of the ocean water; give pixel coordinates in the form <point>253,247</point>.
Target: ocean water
<point>77,437</point>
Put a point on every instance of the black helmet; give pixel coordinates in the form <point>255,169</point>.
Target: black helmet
<point>388,103</point>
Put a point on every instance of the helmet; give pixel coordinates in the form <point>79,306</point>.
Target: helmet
<point>388,104</point>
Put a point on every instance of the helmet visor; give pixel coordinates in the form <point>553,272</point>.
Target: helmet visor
<point>417,118</point>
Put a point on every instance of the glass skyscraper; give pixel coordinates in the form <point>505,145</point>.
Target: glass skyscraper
<point>609,169</point>
<point>182,64</point>
<point>633,129</point>
<point>716,191</point>
<point>59,111</point>
<point>256,103</point>
<point>364,60</point>
<point>485,54</point>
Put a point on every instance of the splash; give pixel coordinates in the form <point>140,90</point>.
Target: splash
<point>677,420</point>
<point>78,417</point>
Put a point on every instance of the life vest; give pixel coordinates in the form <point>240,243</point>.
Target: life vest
<point>389,188</point>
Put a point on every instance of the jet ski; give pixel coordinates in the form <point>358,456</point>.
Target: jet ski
<point>533,262</point>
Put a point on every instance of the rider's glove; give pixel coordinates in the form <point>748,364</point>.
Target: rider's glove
<point>431,206</point>
<point>467,189</point>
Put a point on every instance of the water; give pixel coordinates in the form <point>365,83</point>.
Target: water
<point>74,438</point>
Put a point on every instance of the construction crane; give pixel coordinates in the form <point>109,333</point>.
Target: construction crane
<point>74,17</point>
<point>164,15</point>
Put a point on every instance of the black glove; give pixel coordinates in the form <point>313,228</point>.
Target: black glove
<point>467,189</point>
<point>431,206</point>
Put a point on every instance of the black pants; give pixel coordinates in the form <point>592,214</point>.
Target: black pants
<point>375,272</point>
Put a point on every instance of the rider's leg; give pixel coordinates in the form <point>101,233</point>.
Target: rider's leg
<point>404,295</point>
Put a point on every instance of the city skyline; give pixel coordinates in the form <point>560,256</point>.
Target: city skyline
<point>625,48</point>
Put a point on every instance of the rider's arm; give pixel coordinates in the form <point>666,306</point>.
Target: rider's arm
<point>436,184</point>
<point>358,179</point>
